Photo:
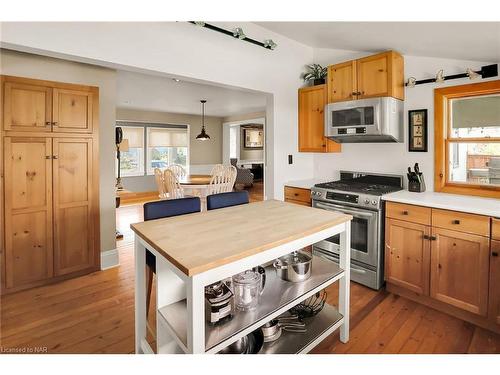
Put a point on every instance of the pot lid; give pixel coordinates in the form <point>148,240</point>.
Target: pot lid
<point>296,257</point>
<point>248,277</point>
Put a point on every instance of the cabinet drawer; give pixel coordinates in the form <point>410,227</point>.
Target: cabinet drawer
<point>495,229</point>
<point>408,212</point>
<point>297,194</point>
<point>462,222</point>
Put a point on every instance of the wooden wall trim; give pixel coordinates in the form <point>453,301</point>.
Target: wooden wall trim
<point>441,157</point>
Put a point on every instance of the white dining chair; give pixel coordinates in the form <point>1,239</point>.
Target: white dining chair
<point>217,169</point>
<point>160,183</point>
<point>178,170</point>
<point>172,186</point>
<point>223,180</point>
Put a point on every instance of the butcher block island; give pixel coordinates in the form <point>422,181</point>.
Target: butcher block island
<point>197,250</point>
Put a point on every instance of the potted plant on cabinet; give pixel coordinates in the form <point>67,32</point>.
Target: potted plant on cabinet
<point>316,73</point>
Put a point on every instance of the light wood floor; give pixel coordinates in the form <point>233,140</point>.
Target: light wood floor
<point>94,314</point>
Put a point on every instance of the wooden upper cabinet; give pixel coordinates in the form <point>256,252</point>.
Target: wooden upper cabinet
<point>369,77</point>
<point>27,107</point>
<point>74,228</point>
<point>494,296</point>
<point>373,76</point>
<point>42,106</point>
<point>407,255</point>
<point>312,102</point>
<point>72,111</point>
<point>459,270</point>
<point>28,210</point>
<point>342,83</point>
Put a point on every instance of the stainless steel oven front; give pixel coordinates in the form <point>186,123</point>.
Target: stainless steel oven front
<point>365,233</point>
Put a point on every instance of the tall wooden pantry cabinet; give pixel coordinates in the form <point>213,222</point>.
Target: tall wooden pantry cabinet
<point>49,186</point>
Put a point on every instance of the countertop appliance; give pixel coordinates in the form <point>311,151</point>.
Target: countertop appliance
<point>365,120</point>
<point>218,303</point>
<point>358,194</point>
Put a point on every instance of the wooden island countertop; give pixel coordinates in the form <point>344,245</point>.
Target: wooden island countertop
<point>202,241</point>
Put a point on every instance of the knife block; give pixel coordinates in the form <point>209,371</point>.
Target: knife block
<point>417,187</point>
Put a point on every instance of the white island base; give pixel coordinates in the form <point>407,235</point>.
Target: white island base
<point>181,324</point>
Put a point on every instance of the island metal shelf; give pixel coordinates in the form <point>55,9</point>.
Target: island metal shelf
<point>278,297</point>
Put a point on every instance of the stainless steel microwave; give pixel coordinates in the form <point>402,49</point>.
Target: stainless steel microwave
<point>365,120</point>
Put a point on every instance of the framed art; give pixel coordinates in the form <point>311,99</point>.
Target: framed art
<point>254,137</point>
<point>417,130</point>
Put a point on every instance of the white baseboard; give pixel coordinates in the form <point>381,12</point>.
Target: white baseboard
<point>109,259</point>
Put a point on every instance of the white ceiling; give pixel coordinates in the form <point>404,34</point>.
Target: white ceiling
<point>478,41</point>
<point>157,93</point>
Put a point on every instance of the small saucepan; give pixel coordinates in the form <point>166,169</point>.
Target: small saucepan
<point>294,267</point>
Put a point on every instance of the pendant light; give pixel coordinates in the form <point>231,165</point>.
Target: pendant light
<point>203,136</point>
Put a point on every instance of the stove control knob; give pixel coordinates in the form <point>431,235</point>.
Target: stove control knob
<point>374,202</point>
<point>367,201</point>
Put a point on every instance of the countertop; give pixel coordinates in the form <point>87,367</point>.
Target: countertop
<point>454,202</point>
<point>307,184</point>
<point>199,242</point>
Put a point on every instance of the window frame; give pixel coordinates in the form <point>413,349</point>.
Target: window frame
<point>149,124</point>
<point>147,171</point>
<point>443,139</point>
<point>140,162</point>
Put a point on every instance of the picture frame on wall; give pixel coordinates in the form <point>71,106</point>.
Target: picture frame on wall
<point>417,130</point>
<point>254,138</point>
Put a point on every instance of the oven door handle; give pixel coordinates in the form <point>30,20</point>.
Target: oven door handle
<point>361,213</point>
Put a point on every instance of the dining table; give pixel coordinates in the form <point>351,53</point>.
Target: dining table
<point>197,185</point>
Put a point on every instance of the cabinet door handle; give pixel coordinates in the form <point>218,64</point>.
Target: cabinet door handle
<point>296,194</point>
<point>405,212</point>
<point>48,157</point>
<point>456,222</point>
<point>426,237</point>
<point>55,157</point>
<point>47,123</point>
<point>54,123</point>
<point>494,254</point>
<point>433,238</point>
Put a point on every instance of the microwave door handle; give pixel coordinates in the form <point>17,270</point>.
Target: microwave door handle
<point>344,209</point>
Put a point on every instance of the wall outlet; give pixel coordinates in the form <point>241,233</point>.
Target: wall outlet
<point>290,159</point>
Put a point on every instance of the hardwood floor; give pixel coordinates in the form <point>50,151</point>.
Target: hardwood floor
<point>95,314</point>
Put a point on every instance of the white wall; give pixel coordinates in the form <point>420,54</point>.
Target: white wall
<point>182,49</point>
<point>393,157</point>
<point>32,66</point>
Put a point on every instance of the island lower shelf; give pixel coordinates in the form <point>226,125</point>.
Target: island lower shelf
<point>278,297</point>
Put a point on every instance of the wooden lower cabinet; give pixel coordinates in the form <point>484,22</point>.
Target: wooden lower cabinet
<point>407,255</point>
<point>459,270</point>
<point>49,203</point>
<point>28,210</point>
<point>494,295</point>
<point>298,195</point>
<point>73,245</point>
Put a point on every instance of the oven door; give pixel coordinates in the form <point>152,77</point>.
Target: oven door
<point>364,233</point>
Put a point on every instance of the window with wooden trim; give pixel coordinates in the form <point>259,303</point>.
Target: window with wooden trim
<point>467,139</point>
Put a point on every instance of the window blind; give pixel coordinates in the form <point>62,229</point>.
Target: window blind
<point>134,135</point>
<point>161,137</point>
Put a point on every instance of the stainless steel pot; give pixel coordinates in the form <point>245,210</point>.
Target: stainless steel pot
<point>294,267</point>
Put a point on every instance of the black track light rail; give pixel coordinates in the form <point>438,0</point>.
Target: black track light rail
<point>486,71</point>
<point>230,33</point>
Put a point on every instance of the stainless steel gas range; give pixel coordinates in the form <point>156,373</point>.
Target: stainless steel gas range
<point>358,194</point>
